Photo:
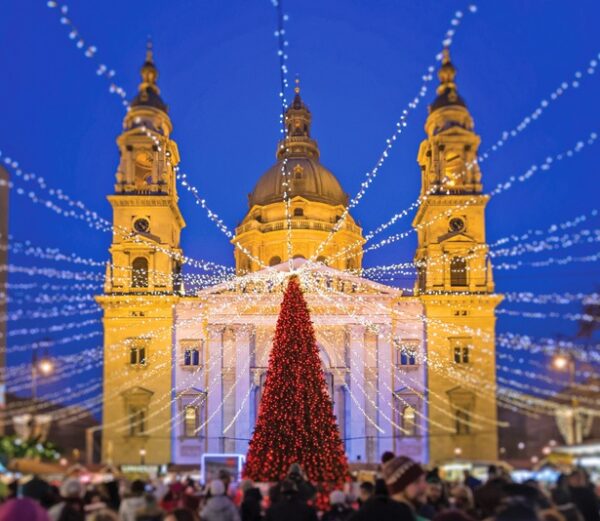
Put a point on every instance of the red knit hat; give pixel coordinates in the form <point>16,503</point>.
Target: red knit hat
<point>400,472</point>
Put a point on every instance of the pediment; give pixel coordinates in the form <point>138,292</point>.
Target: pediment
<point>191,392</point>
<point>137,392</point>
<point>461,396</point>
<point>455,237</point>
<point>150,236</point>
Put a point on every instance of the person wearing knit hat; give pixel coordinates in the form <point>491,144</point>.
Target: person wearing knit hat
<point>400,473</point>
<point>405,481</point>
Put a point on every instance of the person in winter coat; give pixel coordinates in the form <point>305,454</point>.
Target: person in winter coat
<point>305,489</point>
<point>150,511</point>
<point>584,497</point>
<point>436,500</point>
<point>290,506</point>
<point>366,491</point>
<point>339,510</point>
<point>561,495</point>
<point>71,506</point>
<point>250,508</point>
<point>406,485</point>
<point>130,505</point>
<point>219,507</point>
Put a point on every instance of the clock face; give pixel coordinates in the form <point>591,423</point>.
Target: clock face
<point>141,225</point>
<point>456,224</point>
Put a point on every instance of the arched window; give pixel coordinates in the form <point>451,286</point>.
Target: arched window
<point>409,423</point>
<point>458,272</point>
<point>275,261</point>
<point>298,212</point>
<point>299,257</point>
<point>139,273</point>
<point>190,421</point>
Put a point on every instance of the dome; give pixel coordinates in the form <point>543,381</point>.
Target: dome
<point>447,98</point>
<point>308,179</point>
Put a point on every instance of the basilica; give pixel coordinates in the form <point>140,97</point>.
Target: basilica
<point>184,370</point>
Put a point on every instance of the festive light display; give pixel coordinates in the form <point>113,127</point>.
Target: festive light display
<point>282,53</point>
<point>501,187</point>
<point>285,381</point>
<point>88,50</point>
<point>474,378</point>
<point>400,125</point>
<point>78,210</point>
<point>505,136</point>
<point>295,421</point>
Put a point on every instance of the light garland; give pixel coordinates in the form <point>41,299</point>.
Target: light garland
<point>505,136</point>
<point>79,211</point>
<point>501,187</point>
<point>549,298</point>
<point>400,125</point>
<point>88,50</point>
<point>570,223</point>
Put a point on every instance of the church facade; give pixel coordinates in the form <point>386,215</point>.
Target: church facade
<point>183,373</point>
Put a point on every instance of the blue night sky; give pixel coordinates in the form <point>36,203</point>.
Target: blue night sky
<point>360,63</point>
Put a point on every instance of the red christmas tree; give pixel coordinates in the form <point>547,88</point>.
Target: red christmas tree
<point>295,420</point>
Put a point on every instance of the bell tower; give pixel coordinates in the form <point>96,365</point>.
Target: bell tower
<point>143,282</point>
<point>455,280</point>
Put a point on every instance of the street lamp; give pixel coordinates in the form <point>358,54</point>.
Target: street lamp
<point>39,366</point>
<point>560,362</point>
<point>566,362</point>
<point>142,456</point>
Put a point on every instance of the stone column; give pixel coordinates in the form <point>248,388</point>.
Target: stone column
<point>155,166</point>
<point>385,384</point>
<point>242,399</point>
<point>214,428</point>
<point>229,391</point>
<point>356,382</point>
<point>339,407</point>
<point>129,166</point>
<point>371,402</point>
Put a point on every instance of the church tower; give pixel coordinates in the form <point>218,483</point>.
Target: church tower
<point>316,203</point>
<point>143,282</point>
<point>455,282</point>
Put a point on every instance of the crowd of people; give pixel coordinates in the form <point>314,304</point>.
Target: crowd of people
<point>402,491</point>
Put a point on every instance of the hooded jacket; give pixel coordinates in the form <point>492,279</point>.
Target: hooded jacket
<point>220,508</point>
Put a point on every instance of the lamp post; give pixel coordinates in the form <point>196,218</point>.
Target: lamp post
<point>39,366</point>
<point>142,456</point>
<point>566,362</point>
